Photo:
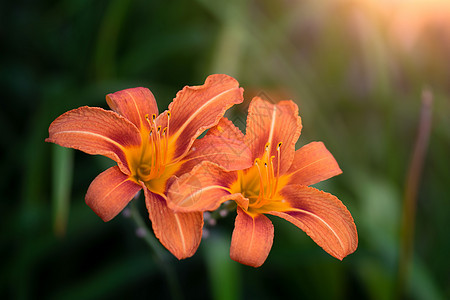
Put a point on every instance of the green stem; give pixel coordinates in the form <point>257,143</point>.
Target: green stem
<point>410,197</point>
<point>61,187</point>
<point>159,253</point>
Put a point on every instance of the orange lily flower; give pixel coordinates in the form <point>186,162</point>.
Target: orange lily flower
<point>150,150</point>
<point>276,184</point>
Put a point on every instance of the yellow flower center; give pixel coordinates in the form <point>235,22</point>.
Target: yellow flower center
<point>261,183</point>
<point>149,163</point>
<point>154,152</point>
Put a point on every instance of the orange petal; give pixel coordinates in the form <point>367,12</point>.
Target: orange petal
<point>198,108</point>
<point>110,192</point>
<point>226,129</point>
<point>204,188</point>
<point>180,233</point>
<point>134,104</point>
<point>252,239</point>
<point>229,154</point>
<point>95,131</point>
<point>312,163</point>
<point>273,123</point>
<point>323,217</point>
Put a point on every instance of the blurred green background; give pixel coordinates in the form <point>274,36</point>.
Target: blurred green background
<point>356,69</point>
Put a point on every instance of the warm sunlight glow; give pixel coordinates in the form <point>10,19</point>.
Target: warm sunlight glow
<point>410,22</point>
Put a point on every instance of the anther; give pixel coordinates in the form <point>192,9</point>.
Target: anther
<point>148,121</point>
<point>267,151</point>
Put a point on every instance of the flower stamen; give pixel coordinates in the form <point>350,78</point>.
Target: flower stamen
<point>266,151</point>
<point>272,177</point>
<point>154,152</point>
<point>268,189</point>
<point>260,199</point>
<point>278,165</point>
<point>167,136</point>
<point>268,178</point>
